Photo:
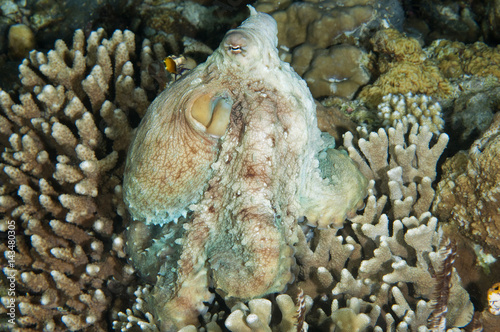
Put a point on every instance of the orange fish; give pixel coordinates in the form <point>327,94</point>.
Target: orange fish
<point>178,65</point>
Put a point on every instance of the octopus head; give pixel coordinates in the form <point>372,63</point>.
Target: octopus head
<point>252,43</point>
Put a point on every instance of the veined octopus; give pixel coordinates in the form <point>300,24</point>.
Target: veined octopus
<point>223,165</point>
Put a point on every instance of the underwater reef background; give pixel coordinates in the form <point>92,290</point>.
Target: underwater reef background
<point>410,89</point>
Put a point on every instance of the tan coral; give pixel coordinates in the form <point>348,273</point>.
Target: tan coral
<point>337,71</point>
<point>384,261</point>
<point>416,227</point>
<point>404,68</point>
<point>257,315</point>
<point>469,191</point>
<point>324,20</point>
<point>306,29</point>
<point>61,180</point>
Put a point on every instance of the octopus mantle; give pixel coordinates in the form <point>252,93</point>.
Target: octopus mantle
<point>224,163</point>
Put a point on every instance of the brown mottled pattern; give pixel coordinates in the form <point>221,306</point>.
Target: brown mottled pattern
<point>172,163</point>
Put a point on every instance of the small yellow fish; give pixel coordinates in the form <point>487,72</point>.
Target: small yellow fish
<point>494,299</point>
<point>177,65</point>
<point>173,64</point>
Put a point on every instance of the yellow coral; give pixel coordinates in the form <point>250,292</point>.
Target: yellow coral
<point>404,68</point>
<point>455,59</point>
<point>400,48</point>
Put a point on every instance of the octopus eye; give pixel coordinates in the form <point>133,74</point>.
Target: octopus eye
<point>235,49</point>
<point>212,113</point>
<point>235,42</point>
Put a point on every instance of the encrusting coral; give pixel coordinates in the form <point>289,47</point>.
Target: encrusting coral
<point>468,194</point>
<point>64,138</point>
<point>236,142</point>
<point>456,59</point>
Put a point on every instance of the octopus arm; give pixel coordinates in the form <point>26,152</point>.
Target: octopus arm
<point>334,190</point>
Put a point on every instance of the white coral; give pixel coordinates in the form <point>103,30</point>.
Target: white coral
<point>411,109</point>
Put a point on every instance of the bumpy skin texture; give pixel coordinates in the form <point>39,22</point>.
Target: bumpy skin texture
<point>236,142</point>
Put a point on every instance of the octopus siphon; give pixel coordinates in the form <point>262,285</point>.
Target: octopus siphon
<point>223,166</point>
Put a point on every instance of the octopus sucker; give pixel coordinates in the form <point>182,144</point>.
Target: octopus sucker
<point>223,166</point>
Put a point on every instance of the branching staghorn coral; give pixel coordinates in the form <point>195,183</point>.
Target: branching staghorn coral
<point>384,261</point>
<point>403,167</point>
<point>64,136</point>
<point>411,109</point>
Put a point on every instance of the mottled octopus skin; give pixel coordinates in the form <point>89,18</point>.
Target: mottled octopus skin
<point>244,186</point>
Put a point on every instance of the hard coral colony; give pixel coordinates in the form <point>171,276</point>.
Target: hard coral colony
<point>224,163</point>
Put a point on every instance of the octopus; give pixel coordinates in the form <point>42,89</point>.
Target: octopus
<point>226,164</point>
